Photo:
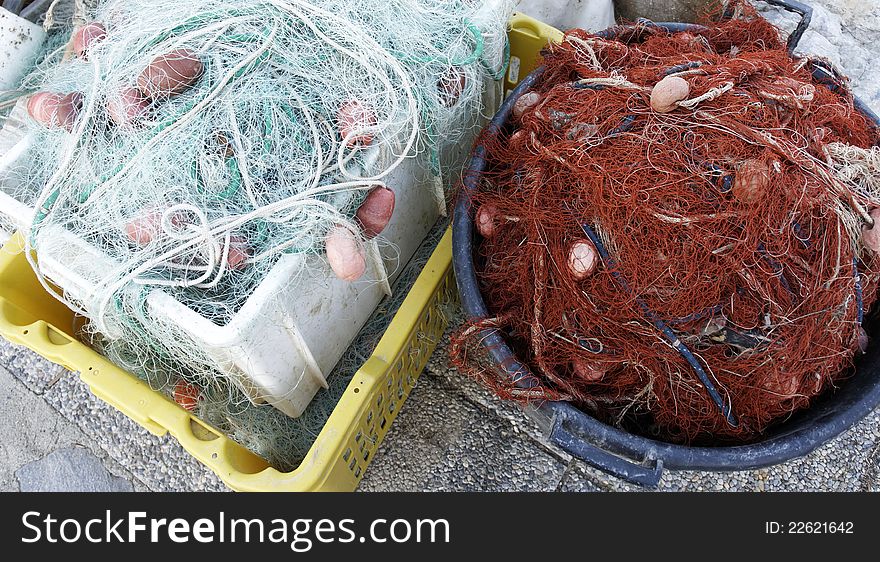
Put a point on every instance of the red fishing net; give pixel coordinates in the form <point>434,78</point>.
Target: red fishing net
<point>640,260</point>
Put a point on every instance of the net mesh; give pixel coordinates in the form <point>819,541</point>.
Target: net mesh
<point>691,263</point>
<point>188,147</point>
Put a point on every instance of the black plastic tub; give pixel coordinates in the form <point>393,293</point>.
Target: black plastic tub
<point>638,459</point>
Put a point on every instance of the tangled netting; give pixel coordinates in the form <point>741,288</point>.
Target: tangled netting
<point>256,158</point>
<point>690,267</point>
<point>263,125</point>
<point>281,440</point>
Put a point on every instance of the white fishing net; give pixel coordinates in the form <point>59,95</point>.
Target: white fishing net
<point>281,440</point>
<point>262,126</point>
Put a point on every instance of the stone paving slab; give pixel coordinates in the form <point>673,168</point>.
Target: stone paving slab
<point>71,469</point>
<point>31,430</point>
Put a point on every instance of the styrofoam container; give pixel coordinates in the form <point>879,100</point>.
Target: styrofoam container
<point>287,337</point>
<point>20,44</point>
<point>14,143</point>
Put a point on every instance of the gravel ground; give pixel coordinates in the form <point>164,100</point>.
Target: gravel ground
<point>451,434</point>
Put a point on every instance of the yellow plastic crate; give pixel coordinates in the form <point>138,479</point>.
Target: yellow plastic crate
<point>527,37</point>
<point>344,448</point>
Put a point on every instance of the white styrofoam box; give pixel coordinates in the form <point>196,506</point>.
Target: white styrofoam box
<point>13,144</point>
<point>592,15</point>
<point>287,337</point>
<point>20,44</point>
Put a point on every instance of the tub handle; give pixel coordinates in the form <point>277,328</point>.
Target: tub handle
<point>645,474</point>
<point>806,14</point>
